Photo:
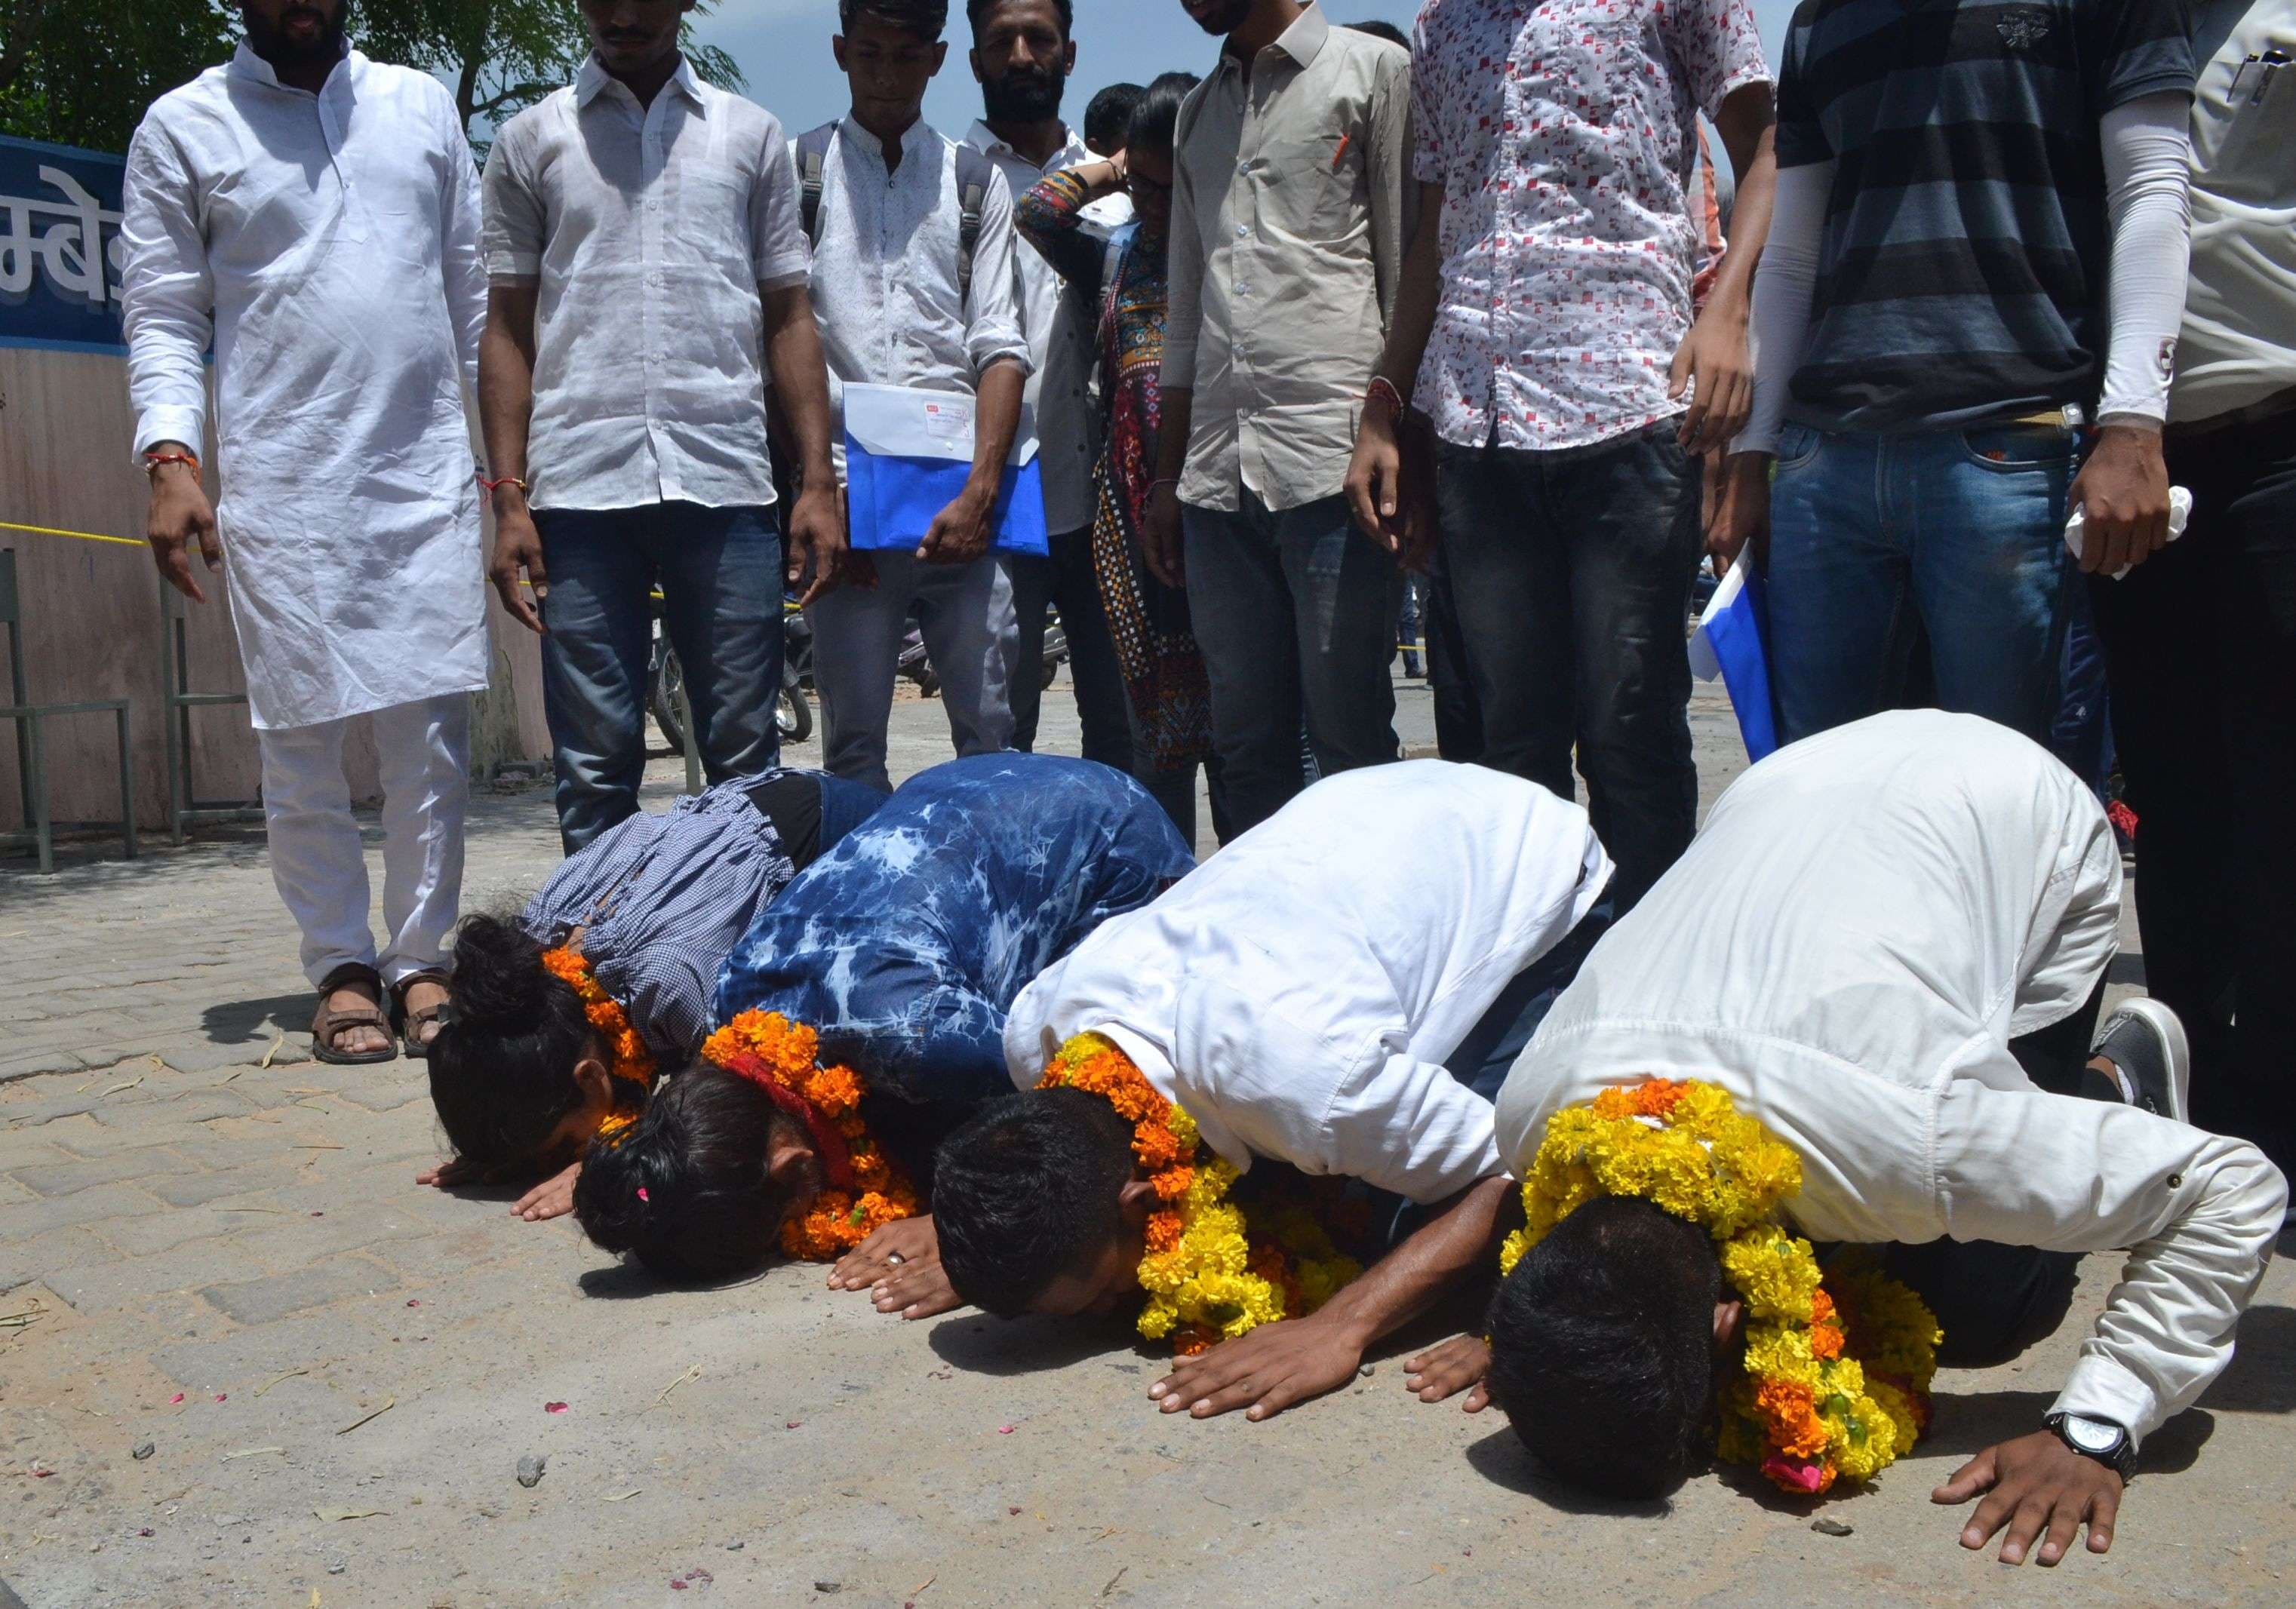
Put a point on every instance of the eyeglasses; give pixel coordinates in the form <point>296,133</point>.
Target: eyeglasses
<point>1139,184</point>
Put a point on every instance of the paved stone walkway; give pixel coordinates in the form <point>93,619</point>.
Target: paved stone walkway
<point>213,1255</point>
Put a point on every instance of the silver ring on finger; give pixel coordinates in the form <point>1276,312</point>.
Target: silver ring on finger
<point>894,1259</point>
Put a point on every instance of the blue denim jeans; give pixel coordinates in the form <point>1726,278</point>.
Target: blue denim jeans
<point>1960,532</point>
<point>720,575</point>
<point>1295,613</point>
<point>1571,573</point>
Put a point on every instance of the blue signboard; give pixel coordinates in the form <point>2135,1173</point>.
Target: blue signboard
<point>59,249</point>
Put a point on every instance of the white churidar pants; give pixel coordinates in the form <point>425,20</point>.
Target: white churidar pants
<point>317,859</point>
<point>970,632</point>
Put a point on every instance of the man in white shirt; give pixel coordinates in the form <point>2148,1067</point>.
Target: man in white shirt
<point>914,286</point>
<point>1022,54</point>
<point>1343,1013</point>
<point>648,268</point>
<point>313,216</point>
<point>2201,642</point>
<point>1863,948</point>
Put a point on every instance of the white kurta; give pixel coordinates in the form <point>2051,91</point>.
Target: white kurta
<point>327,246</point>
<point>1867,920</point>
<point>1299,992</point>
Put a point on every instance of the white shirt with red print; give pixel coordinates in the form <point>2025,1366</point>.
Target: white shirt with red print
<point>1564,135</point>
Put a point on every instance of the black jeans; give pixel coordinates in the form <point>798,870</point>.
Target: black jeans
<point>1993,1301</point>
<point>1571,573</point>
<point>1066,578</point>
<point>2200,644</point>
<point>1458,717</point>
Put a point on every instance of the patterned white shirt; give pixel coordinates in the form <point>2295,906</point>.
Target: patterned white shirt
<point>651,233</point>
<point>1563,134</point>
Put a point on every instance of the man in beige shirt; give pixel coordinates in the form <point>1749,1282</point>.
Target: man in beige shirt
<point>1287,219</point>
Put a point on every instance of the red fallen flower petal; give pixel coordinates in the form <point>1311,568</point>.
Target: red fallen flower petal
<point>42,1474</point>
<point>413,1301</point>
<point>554,1407</point>
<point>1795,1474</point>
<point>222,1395</point>
<point>676,1585</point>
<point>146,1531</point>
<point>793,1424</point>
<point>1013,1509</point>
<point>175,1398</point>
<point>1006,1430</point>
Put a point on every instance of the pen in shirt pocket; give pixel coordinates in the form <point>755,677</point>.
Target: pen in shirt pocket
<point>1341,155</point>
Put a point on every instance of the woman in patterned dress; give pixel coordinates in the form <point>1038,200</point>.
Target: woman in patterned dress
<point>1168,693</point>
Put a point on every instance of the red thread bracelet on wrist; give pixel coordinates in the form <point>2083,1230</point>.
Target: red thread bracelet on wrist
<point>1382,386</point>
<point>153,462</point>
<point>493,486</point>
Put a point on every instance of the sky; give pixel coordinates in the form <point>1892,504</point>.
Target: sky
<point>781,47</point>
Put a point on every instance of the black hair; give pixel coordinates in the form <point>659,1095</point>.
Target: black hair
<point>1156,117</point>
<point>1028,1191</point>
<point>1107,119</point>
<point>926,19</point>
<point>501,1064</point>
<point>1602,1347</point>
<point>686,1191</point>
<point>976,11</point>
<point>1383,31</point>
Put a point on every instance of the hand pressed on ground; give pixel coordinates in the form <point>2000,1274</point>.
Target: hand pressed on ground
<point>1461,1363</point>
<point>1263,1371</point>
<point>554,1198</point>
<point>899,1266</point>
<point>2035,1484</point>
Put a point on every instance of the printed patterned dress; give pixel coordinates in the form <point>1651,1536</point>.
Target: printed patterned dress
<point>1155,644</point>
<point>906,945</point>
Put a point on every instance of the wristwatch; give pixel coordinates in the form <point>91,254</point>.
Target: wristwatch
<point>2100,1439</point>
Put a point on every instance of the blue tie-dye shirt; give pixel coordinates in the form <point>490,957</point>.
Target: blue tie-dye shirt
<point>906,944</point>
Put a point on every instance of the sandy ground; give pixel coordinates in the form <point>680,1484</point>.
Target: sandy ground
<point>337,1374</point>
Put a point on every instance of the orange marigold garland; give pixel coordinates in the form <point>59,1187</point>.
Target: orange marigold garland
<point>768,1043</point>
<point>1208,1275</point>
<point>624,1049</point>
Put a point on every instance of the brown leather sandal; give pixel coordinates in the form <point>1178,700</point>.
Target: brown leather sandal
<point>328,1027</point>
<point>411,1023</point>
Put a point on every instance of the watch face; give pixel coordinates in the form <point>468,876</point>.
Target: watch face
<point>2093,1435</point>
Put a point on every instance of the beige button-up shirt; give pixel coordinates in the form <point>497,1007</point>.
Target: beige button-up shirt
<point>1289,216</point>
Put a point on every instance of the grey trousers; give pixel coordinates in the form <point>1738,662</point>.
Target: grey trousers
<point>970,632</point>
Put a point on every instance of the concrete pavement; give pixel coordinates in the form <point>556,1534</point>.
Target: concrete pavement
<point>213,1249</point>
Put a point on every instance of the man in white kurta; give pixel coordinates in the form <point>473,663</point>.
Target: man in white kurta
<point>324,240</point>
<point>1868,920</point>
<point>1339,990</point>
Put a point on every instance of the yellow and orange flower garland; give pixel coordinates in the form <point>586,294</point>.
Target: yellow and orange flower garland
<point>839,1219</point>
<point>1837,1380</point>
<point>1207,1275</point>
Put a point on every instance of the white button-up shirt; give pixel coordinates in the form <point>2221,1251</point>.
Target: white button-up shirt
<point>1867,920</point>
<point>1563,134</point>
<point>1299,992</point>
<point>884,270</point>
<point>326,247</point>
<point>1060,324</point>
<point>652,231</point>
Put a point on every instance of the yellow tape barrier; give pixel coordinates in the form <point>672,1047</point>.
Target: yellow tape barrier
<point>44,530</point>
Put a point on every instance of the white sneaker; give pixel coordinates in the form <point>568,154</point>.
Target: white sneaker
<point>2144,1039</point>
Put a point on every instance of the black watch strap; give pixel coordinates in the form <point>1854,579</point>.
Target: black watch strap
<point>2119,1456</point>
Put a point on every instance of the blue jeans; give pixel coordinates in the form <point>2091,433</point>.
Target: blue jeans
<point>1960,532</point>
<point>1295,613</point>
<point>720,575</point>
<point>1570,572</point>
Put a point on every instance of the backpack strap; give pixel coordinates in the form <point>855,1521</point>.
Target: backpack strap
<point>812,161</point>
<point>974,173</point>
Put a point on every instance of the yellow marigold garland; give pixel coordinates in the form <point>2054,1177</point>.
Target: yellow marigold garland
<point>1837,1380</point>
<point>624,1048</point>
<point>839,1219</point>
<point>1207,1275</point>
